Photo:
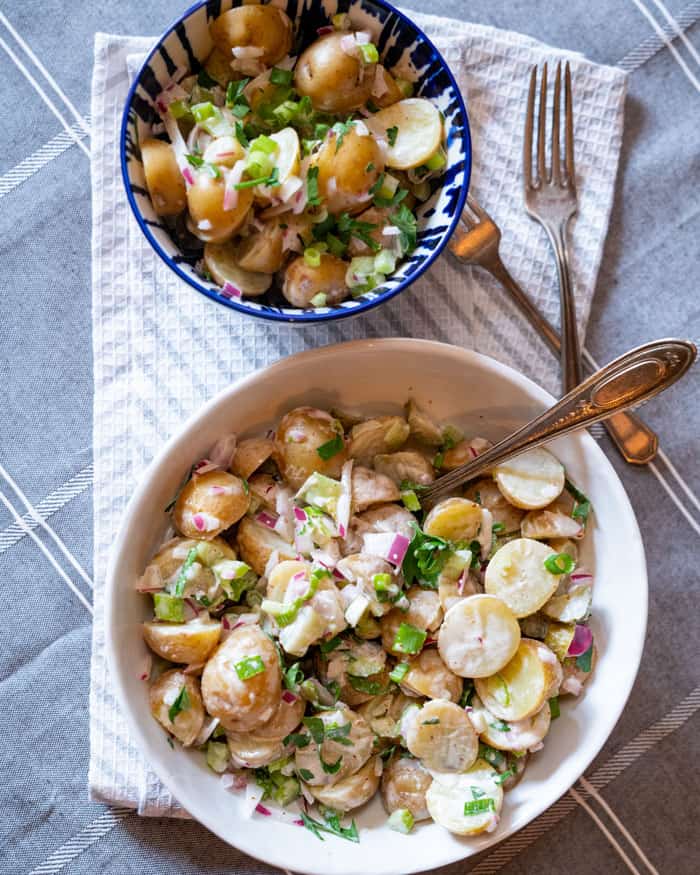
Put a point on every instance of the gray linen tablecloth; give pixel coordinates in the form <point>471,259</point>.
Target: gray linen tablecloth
<point>647,773</point>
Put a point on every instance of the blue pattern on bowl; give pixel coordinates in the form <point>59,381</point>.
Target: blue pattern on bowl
<point>184,48</point>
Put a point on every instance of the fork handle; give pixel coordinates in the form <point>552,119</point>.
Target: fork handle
<point>637,443</point>
<point>570,354</point>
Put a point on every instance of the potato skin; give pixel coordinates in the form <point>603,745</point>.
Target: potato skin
<point>242,705</point>
<point>250,455</point>
<point>165,183</point>
<point>201,496</point>
<point>256,544</point>
<point>404,784</point>
<point>187,642</point>
<point>266,27</point>
<point>346,164</point>
<point>392,94</point>
<point>261,251</point>
<point>299,435</point>
<point>302,282</point>
<point>163,692</point>
<point>429,676</point>
<point>353,791</point>
<point>335,81</point>
<point>205,200</point>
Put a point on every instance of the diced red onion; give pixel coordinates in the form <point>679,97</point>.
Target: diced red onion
<point>327,28</point>
<point>225,623</point>
<point>288,697</point>
<point>300,514</point>
<point>298,822</point>
<point>204,466</point>
<point>228,290</point>
<point>262,810</point>
<point>581,642</point>
<point>187,173</point>
<point>233,177</point>
<point>300,575</point>
<point>146,666</point>
<point>266,519</point>
<point>580,576</point>
<point>398,549</point>
<point>338,574</point>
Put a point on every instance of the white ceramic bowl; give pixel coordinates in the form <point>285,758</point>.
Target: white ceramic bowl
<point>484,397</point>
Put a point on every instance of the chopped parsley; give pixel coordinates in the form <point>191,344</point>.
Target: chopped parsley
<point>341,129</point>
<point>316,728</point>
<point>434,721</point>
<point>241,137</point>
<point>365,685</point>
<point>467,694</point>
<point>249,667</point>
<point>306,775</point>
<point>205,80</point>
<point>331,826</point>
<point>331,448</point>
<point>391,134</point>
<point>298,739</point>
<point>582,505</point>
<point>292,677</point>
<point>349,227</point>
<point>330,768</point>
<point>312,196</point>
<point>271,180</point>
<point>236,100</point>
<point>181,703</point>
<point>425,559</point>
<point>405,221</point>
<point>331,644</point>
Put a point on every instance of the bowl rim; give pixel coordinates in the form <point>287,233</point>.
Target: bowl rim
<point>183,435</point>
<point>302,317</point>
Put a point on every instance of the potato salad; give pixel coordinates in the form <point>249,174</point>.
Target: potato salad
<point>292,174</point>
<point>319,638</point>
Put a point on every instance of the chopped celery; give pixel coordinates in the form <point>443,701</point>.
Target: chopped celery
<point>369,53</point>
<point>399,672</point>
<point>401,821</point>
<point>385,262</point>
<point>217,756</point>
<point>319,300</point>
<point>264,144</point>
<point>169,607</point>
<point>409,639</point>
<point>321,492</point>
<point>180,110</point>
<point>436,161</point>
<point>410,500</point>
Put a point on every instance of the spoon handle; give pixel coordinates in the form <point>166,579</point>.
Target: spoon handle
<point>629,380</point>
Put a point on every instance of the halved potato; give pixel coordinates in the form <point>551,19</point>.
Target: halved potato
<point>515,734</point>
<point>164,693</point>
<point>558,638</point>
<point>531,480</point>
<point>488,495</point>
<point>522,686</point>
<point>572,605</point>
<point>164,181</point>
<point>429,676</point>
<point>250,455</point>
<point>262,252</point>
<point>281,575</point>
<point>404,784</point>
<point>285,719</point>
<point>518,576</point>
<point>441,736</point>
<point>418,131</point>
<point>422,426</point>
<point>208,504</point>
<point>370,487</point>
<point>383,434</point>
<point>221,260</point>
<point>257,543</point>
<point>251,752</point>
<point>455,519</point>
<point>267,28</point>
<point>299,435</point>
<point>449,793</point>
<point>210,221</point>
<point>184,642</point>
<point>353,791</point>
<point>478,636</point>
<point>550,524</point>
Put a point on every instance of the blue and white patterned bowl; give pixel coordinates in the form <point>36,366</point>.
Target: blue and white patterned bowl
<point>185,46</point>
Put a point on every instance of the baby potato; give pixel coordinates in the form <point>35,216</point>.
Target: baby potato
<point>522,686</point>
<point>285,720</point>
<point>250,455</point>
<point>454,519</point>
<point>424,612</point>
<point>261,252</point>
<point>405,465</point>
<point>334,80</point>
<point>210,503</point>
<point>265,27</point>
<point>518,576</point>
<point>354,669</point>
<point>218,66</point>
<point>564,545</point>
<point>344,181</point>
<point>165,691</point>
<point>221,260</point>
<point>224,151</point>
<point>550,524</point>
<point>281,576</point>
<point>422,426</point>
<point>369,488</point>
<point>211,222</point>
<point>571,605</point>
<point>405,782</point>
<point>388,518</point>
<point>449,794</point>
<point>383,713</point>
<point>251,752</point>
<point>392,94</point>
<point>353,756</point>
<point>299,435</point>
<point>516,734</point>
<point>478,637</point>
<point>418,131</point>
<point>257,543</point>
<point>441,736</point>
<point>302,282</point>
<point>308,628</point>
<point>383,434</point>
<point>378,218</point>
<point>242,705</point>
<point>488,495</point>
<point>353,791</point>
<point>172,555</point>
<point>429,676</point>
<point>532,480</point>
<point>164,181</point>
<point>184,642</point>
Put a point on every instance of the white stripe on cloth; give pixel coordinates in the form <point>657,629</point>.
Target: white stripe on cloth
<point>650,46</point>
<point>86,837</point>
<point>49,78</point>
<point>44,96</point>
<point>661,33</point>
<point>46,553</point>
<point>33,163</point>
<point>53,502</point>
<point>678,30</point>
<point>606,832</point>
<point>39,520</point>
<point>674,498</point>
<point>614,766</point>
<point>591,790</point>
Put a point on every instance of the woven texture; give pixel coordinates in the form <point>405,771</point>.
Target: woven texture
<point>161,350</point>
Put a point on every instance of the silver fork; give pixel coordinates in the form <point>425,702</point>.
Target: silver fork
<point>477,242</point>
<point>550,199</point>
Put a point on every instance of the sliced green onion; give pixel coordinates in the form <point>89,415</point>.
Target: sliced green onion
<point>332,447</point>
<point>181,703</point>
<point>401,820</point>
<point>179,109</point>
<point>410,499</point>
<point>409,639</point>
<point>491,755</point>
<point>500,726</point>
<point>385,262</point>
<point>369,53</point>
<point>503,777</point>
<point>365,685</point>
<point>382,582</point>
<point>312,257</point>
<point>249,667</point>
<point>217,756</point>
<point>559,563</point>
<point>281,77</point>
<point>554,707</point>
<point>312,195</point>
<point>202,111</point>
<point>478,806</point>
<point>498,527</point>
<point>319,300</point>
<point>436,161</point>
<point>169,607</point>
<point>264,144</point>
<point>399,672</point>
<point>335,245</point>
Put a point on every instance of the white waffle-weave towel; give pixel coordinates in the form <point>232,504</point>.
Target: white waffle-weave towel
<point>161,350</point>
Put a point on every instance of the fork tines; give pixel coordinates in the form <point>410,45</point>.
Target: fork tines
<point>558,174</point>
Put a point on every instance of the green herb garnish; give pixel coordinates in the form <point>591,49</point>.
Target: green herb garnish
<point>181,581</point>
<point>249,667</point>
<point>584,661</point>
<point>399,672</point>
<point>554,707</point>
<point>405,221</point>
<point>409,639</point>
<point>391,134</point>
<point>478,806</point>
<point>181,703</point>
<point>331,448</point>
<point>559,563</point>
<point>331,826</point>
<point>365,685</point>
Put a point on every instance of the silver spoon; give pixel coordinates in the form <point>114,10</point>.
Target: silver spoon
<point>629,380</point>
